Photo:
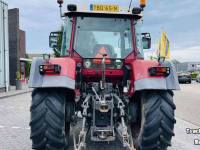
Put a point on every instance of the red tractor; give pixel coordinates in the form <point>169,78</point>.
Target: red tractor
<point>102,78</point>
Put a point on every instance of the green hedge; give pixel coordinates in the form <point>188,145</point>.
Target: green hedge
<point>28,67</point>
<point>194,74</point>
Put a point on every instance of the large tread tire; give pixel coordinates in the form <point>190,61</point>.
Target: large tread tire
<point>48,119</point>
<point>157,123</point>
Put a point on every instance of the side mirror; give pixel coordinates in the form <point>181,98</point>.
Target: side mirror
<point>53,41</point>
<point>146,40</point>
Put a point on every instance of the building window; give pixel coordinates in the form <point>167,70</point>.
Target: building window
<point>193,65</point>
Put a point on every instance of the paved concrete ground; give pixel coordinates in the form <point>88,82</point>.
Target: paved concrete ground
<point>15,131</point>
<point>188,102</point>
<point>14,92</point>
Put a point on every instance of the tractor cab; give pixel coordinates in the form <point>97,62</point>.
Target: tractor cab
<point>114,30</point>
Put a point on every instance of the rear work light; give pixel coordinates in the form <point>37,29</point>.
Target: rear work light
<point>159,71</point>
<point>49,69</point>
<point>71,7</point>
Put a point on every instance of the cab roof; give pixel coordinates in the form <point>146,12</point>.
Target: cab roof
<point>92,9</point>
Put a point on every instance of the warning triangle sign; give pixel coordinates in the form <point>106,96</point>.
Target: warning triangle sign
<point>102,50</point>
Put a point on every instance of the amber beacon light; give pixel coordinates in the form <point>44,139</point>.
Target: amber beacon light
<point>142,3</point>
<point>60,2</point>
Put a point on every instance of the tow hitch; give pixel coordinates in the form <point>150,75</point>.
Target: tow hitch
<point>104,133</point>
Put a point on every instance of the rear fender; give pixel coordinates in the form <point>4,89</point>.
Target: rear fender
<point>66,79</point>
<point>141,79</point>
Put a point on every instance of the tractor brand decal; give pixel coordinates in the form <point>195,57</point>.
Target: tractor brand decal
<point>111,8</point>
<point>164,46</point>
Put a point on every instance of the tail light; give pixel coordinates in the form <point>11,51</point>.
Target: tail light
<point>159,71</point>
<point>49,69</point>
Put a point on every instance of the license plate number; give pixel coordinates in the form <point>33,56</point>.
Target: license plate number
<point>111,8</point>
<point>184,77</point>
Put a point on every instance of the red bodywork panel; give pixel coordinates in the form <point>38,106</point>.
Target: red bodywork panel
<point>68,67</point>
<point>112,76</point>
<point>109,73</point>
<point>140,70</point>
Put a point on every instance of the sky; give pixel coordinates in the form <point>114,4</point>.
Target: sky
<point>180,19</point>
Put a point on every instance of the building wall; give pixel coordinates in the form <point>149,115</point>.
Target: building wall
<point>31,56</point>
<point>4,47</point>
<point>182,67</point>
<point>187,66</point>
<point>22,44</point>
<point>194,65</point>
<point>14,58</point>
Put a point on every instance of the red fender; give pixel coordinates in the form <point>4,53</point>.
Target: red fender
<point>140,70</point>
<point>68,67</point>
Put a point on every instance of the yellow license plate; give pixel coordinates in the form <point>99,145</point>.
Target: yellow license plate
<point>184,77</point>
<point>112,8</point>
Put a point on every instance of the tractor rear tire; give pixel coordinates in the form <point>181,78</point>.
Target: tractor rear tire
<point>155,129</point>
<point>48,128</point>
